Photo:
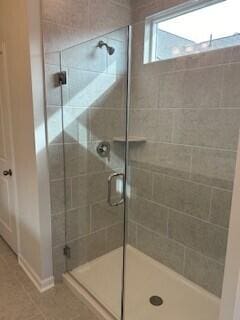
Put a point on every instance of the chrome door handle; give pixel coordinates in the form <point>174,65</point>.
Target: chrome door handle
<point>110,178</point>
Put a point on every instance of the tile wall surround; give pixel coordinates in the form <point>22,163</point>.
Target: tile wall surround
<point>67,23</point>
<point>89,223</point>
<point>181,178</point>
<point>144,8</point>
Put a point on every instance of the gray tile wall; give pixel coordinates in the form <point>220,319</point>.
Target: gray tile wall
<point>188,109</point>
<point>144,8</point>
<point>181,179</point>
<point>93,111</point>
<point>91,228</point>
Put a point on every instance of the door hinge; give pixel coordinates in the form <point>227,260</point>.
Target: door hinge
<point>67,252</point>
<point>62,78</point>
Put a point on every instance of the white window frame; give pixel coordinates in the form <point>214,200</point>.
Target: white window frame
<point>152,21</point>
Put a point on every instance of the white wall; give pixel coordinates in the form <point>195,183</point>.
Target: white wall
<point>230,307</point>
<point>31,169</point>
<point>37,74</point>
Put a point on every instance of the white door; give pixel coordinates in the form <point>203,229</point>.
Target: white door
<point>7,181</point>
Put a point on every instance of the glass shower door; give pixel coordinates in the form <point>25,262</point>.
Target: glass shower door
<point>94,96</point>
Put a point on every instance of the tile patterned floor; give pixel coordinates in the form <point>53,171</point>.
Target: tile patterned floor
<point>20,300</point>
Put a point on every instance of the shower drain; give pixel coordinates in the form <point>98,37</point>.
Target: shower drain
<point>156,301</point>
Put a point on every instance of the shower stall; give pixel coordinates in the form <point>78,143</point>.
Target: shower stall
<point>149,152</point>
<point>95,103</point>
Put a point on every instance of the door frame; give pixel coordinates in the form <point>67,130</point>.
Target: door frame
<point>3,51</point>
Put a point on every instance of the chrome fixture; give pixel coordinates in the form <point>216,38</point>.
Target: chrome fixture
<point>110,50</point>
<point>103,149</point>
<point>61,78</point>
<point>156,301</point>
<point>110,178</point>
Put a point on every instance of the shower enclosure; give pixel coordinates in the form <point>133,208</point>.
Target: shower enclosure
<point>149,159</point>
<point>95,100</point>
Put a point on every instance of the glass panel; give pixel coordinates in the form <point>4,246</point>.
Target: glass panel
<point>186,114</point>
<point>94,121</point>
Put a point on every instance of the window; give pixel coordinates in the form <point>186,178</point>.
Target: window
<point>194,27</point>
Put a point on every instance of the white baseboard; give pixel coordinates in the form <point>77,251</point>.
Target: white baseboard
<point>237,301</point>
<point>41,285</point>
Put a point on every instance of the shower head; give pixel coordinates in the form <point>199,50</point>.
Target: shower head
<point>110,50</point>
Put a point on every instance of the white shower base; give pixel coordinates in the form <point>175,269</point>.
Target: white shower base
<point>99,283</point>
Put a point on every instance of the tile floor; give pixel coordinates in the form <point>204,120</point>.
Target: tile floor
<point>20,300</point>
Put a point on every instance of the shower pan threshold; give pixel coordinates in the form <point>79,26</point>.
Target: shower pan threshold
<point>98,283</point>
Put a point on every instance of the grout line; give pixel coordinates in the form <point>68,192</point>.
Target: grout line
<point>193,146</point>
<point>104,171</point>
<point>117,75</point>
<point>207,108</point>
<point>159,91</point>
<point>160,235</point>
<point>184,260</point>
<point>71,193</point>
<point>93,233</point>
<point>204,256</point>
<point>210,206</point>
<point>222,87</point>
<point>173,126</point>
<point>40,313</point>
<point>168,219</point>
<point>152,184</point>
<point>218,65</point>
<point>184,213</point>
<point>156,173</point>
<point>92,107</point>
<point>29,295</point>
<point>191,164</point>
<point>137,234</point>
<point>34,302</point>
<point>21,284</point>
<point>91,217</point>
<point>180,244</point>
